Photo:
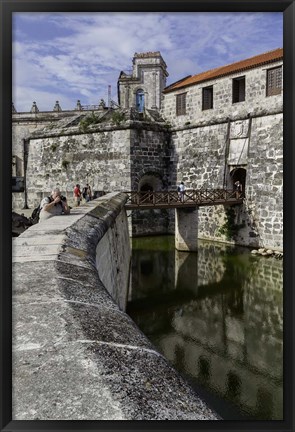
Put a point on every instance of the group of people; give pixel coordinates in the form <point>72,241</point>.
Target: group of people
<point>85,194</point>
<point>56,204</point>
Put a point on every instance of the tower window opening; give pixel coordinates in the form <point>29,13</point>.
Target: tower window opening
<point>140,100</point>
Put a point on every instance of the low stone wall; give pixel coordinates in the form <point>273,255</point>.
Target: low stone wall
<point>76,354</point>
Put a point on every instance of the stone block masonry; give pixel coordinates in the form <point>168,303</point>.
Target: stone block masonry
<point>76,354</point>
<point>202,164</point>
<point>149,168</point>
<point>145,155</point>
<point>100,159</point>
<point>109,158</point>
<point>186,229</point>
<point>210,143</point>
<point>148,144</point>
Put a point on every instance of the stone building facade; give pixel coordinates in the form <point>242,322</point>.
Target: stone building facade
<point>227,125</point>
<point>208,130</point>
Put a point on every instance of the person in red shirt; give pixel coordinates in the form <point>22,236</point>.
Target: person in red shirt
<point>77,195</point>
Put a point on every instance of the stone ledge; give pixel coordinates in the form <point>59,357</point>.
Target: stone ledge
<point>76,355</point>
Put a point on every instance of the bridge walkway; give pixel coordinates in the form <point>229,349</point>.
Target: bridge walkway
<point>173,199</point>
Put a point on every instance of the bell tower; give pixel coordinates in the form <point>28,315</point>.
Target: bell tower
<point>141,88</point>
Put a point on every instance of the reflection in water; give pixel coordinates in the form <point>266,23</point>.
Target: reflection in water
<point>217,316</point>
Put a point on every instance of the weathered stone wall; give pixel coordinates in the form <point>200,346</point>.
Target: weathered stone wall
<point>264,204</point>
<point>208,144</point>
<point>149,153</point>
<point>150,222</point>
<point>150,164</point>
<point>186,229</point>
<point>112,260</point>
<point>201,157</point>
<point>109,158</point>
<point>255,102</point>
<point>25,124</point>
<point>201,148</point>
<point>100,158</point>
<point>76,355</point>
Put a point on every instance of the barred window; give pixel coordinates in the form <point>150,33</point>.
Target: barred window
<point>181,104</point>
<point>239,85</point>
<point>274,81</point>
<point>207,98</point>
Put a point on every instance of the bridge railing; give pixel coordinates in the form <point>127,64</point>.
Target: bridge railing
<point>188,198</point>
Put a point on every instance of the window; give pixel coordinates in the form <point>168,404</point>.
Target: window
<point>140,100</point>
<point>207,98</point>
<point>181,104</point>
<point>18,184</point>
<point>239,85</point>
<point>274,81</point>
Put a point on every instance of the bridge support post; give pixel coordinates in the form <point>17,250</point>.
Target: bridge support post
<point>186,229</point>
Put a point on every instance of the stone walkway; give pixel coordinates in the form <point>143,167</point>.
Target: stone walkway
<point>76,354</point>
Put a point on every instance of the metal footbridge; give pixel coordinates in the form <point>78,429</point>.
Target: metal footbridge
<point>174,199</point>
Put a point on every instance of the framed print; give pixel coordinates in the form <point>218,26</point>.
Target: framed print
<point>147,279</point>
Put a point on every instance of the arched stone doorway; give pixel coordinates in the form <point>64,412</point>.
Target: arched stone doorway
<point>150,183</point>
<point>147,187</point>
<point>239,174</point>
<point>150,221</point>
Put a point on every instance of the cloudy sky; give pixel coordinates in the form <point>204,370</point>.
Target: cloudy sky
<point>70,56</point>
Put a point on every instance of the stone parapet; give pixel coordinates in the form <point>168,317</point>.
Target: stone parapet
<point>76,354</point>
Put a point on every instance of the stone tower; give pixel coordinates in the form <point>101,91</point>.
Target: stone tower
<point>141,88</point>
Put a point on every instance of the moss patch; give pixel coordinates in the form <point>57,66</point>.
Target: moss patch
<point>230,229</point>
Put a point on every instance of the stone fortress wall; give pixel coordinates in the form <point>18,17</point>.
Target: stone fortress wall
<point>200,161</point>
<point>66,156</point>
<point>204,148</point>
<point>69,323</point>
<point>210,144</point>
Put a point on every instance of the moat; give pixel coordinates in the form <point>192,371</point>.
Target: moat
<point>217,316</point>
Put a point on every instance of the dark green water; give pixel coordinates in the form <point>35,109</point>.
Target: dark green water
<point>217,316</point>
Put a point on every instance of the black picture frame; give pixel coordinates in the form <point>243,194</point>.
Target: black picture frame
<point>7,9</point>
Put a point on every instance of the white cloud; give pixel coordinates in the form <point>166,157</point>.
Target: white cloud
<point>76,56</point>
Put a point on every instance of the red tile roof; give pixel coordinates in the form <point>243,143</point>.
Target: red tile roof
<point>240,66</point>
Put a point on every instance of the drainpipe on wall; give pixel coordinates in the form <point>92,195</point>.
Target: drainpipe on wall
<point>24,141</point>
<point>227,143</point>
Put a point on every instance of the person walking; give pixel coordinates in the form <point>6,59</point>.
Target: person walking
<point>77,195</point>
<point>181,190</point>
<point>87,193</point>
